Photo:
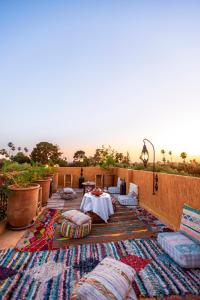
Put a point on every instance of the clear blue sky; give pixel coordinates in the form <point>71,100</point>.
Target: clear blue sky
<point>86,73</point>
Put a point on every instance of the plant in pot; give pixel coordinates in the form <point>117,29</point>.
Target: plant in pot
<point>22,198</point>
<point>41,177</point>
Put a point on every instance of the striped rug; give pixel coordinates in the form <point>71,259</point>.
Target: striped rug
<point>52,274</point>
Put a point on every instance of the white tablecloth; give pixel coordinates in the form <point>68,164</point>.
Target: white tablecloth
<point>102,205</point>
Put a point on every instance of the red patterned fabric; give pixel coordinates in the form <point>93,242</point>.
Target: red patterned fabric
<point>136,262</point>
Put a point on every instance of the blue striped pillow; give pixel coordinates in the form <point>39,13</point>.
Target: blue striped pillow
<point>190,223</point>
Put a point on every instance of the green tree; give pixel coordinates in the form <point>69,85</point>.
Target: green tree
<point>126,159</point>
<point>163,153</point>
<point>119,157</point>
<point>79,156</point>
<point>183,155</point>
<point>21,158</point>
<point>45,152</point>
<point>170,153</point>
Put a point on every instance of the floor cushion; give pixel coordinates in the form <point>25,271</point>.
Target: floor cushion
<point>180,248</point>
<point>73,231</point>
<point>111,279</point>
<point>190,223</point>
<point>67,194</point>
<point>76,217</point>
<point>127,200</point>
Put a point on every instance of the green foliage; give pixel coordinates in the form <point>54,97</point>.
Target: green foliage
<point>79,155</point>
<point>45,152</point>
<point>183,155</point>
<point>21,158</point>
<point>9,166</point>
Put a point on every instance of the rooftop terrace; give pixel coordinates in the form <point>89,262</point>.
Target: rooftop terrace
<point>39,263</point>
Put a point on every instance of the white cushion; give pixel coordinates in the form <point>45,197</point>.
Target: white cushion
<point>68,190</point>
<point>119,182</point>
<point>133,188</point>
<point>180,248</point>
<point>111,279</point>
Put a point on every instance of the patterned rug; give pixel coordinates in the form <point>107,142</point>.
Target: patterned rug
<point>151,221</point>
<point>126,223</point>
<point>52,274</point>
<point>40,236</point>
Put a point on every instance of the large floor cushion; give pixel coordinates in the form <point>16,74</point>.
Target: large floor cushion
<point>76,216</point>
<point>115,189</point>
<point>180,248</point>
<point>190,223</point>
<point>67,194</point>
<point>111,279</point>
<point>127,200</point>
<point>73,231</point>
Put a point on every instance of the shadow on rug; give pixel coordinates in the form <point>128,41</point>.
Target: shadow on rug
<point>52,274</point>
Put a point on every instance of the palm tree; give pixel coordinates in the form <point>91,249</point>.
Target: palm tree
<point>26,149</point>
<point>183,156</point>
<point>170,153</point>
<point>163,153</point>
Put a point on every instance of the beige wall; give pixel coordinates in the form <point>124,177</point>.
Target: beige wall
<point>173,190</point>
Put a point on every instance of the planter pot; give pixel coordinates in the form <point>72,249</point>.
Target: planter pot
<point>22,206</point>
<point>55,183</point>
<point>45,185</point>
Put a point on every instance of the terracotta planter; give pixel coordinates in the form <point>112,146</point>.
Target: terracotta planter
<point>55,183</point>
<point>22,206</point>
<point>45,185</point>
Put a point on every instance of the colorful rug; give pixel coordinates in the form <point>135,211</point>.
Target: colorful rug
<point>151,221</point>
<point>126,223</point>
<point>52,274</point>
<point>40,236</point>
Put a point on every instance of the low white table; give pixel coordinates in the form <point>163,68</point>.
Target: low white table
<point>102,205</point>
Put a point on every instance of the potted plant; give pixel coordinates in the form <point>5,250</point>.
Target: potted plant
<point>41,177</point>
<point>22,198</point>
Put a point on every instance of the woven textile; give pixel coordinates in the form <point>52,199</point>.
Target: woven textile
<point>40,236</point>
<point>76,217</point>
<point>180,248</point>
<point>73,231</point>
<point>111,279</point>
<point>52,274</point>
<point>190,223</point>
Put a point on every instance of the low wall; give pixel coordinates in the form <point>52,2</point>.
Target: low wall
<point>173,192</point>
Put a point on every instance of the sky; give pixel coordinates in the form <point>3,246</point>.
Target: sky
<point>82,74</point>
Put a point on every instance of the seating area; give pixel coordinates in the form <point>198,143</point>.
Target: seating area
<point>98,244</point>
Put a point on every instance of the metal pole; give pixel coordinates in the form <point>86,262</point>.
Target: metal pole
<point>153,164</point>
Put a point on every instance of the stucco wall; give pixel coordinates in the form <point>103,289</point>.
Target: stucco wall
<point>173,192</point>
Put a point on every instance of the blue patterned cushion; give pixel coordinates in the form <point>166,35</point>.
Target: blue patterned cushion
<point>114,190</point>
<point>127,200</point>
<point>180,248</point>
<point>190,223</point>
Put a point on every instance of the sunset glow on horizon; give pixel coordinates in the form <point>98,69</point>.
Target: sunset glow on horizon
<point>82,74</point>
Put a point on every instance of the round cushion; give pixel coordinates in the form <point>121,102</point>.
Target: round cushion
<point>67,194</point>
<point>73,231</point>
